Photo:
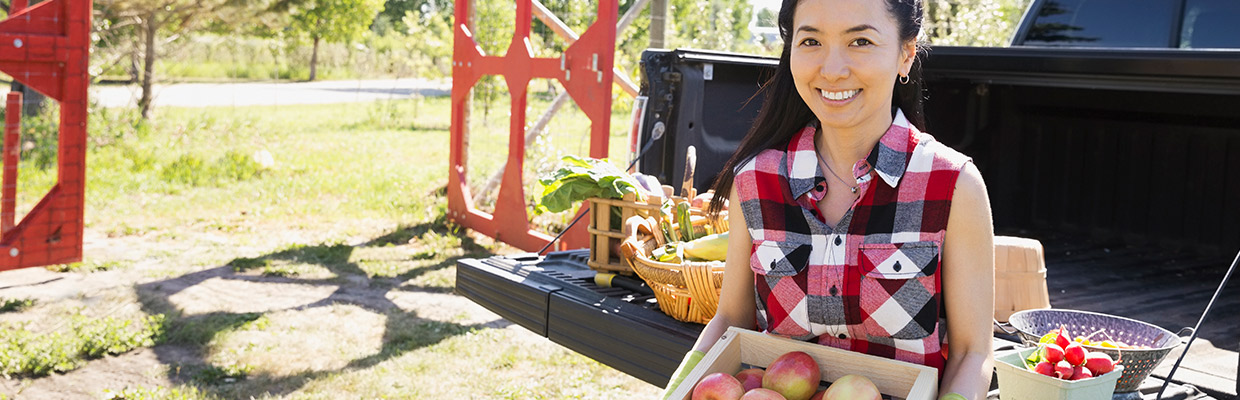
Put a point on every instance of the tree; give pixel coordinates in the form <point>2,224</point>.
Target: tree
<point>767,18</point>
<point>714,25</point>
<point>973,22</point>
<point>155,19</point>
<point>333,21</point>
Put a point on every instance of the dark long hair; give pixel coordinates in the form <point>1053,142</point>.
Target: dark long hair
<point>784,113</point>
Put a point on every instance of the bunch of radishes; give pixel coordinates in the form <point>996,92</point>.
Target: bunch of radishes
<point>1066,359</point>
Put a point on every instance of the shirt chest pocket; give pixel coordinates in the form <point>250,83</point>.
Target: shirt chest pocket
<point>780,269</point>
<point>898,291</point>
<point>778,258</point>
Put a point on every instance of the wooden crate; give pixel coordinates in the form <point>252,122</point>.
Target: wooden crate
<point>604,236</point>
<point>741,346</point>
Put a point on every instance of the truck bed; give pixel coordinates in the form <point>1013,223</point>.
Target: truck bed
<point>555,296</point>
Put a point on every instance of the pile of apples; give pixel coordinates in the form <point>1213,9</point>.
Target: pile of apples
<point>1064,358</point>
<point>792,376</point>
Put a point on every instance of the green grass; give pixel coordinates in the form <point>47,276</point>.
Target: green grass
<point>87,266</point>
<point>354,207</point>
<point>157,393</point>
<point>27,353</point>
<point>15,305</point>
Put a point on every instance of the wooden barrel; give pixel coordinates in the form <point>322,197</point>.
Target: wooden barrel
<point>1020,276</point>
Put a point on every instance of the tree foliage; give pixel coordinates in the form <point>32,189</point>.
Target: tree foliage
<point>332,21</point>
<point>973,22</point>
<point>335,20</point>
<point>153,23</point>
<point>715,25</point>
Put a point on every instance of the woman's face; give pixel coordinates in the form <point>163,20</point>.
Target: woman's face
<point>846,56</point>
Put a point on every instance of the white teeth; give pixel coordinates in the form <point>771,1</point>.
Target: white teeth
<point>845,95</point>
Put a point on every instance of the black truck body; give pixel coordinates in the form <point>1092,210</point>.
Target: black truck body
<point>1124,162</point>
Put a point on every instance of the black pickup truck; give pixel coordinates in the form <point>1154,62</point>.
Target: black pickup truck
<point>1110,132</point>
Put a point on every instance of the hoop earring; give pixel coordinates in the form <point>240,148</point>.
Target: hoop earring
<point>903,79</point>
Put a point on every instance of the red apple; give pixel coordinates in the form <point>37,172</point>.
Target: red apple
<point>852,387</point>
<point>751,378</point>
<point>1079,372</point>
<point>1052,353</point>
<point>794,375</point>
<point>1063,370</point>
<point>762,394</point>
<point>1074,354</point>
<point>1063,338</point>
<point>1099,363</point>
<point>718,386</point>
<point>818,396</point>
<point>1045,368</point>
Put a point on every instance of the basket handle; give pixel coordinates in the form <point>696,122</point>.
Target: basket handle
<point>1185,333</point>
<point>1003,326</point>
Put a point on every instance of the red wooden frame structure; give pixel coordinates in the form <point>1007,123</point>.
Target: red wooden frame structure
<point>585,71</point>
<point>47,48</point>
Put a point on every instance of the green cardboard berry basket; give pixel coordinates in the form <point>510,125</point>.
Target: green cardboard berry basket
<point>1018,383</point>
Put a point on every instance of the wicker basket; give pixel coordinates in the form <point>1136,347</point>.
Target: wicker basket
<point>687,291</point>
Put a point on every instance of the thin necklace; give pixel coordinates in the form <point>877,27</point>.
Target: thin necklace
<point>828,165</point>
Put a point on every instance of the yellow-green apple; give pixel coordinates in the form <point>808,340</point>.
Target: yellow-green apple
<point>852,387</point>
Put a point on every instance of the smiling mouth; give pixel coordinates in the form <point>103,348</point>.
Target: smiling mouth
<point>839,96</point>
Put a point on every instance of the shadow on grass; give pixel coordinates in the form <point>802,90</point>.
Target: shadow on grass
<point>185,342</point>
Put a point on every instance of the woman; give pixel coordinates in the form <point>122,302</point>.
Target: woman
<point>850,227</point>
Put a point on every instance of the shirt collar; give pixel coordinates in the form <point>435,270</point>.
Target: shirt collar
<point>889,158</point>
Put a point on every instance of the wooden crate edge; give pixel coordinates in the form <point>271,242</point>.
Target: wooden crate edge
<point>919,382</point>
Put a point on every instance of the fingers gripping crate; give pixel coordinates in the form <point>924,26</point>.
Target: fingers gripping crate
<point>605,236</point>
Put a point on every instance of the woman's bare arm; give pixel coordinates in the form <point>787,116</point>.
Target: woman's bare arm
<point>968,288</point>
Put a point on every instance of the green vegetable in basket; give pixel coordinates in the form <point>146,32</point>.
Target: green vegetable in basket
<point>665,223</point>
<point>683,219</point>
<point>578,179</point>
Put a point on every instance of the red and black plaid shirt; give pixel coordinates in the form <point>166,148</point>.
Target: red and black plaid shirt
<point>870,284</point>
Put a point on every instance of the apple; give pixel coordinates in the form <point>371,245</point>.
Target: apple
<point>1052,353</point>
<point>751,378</point>
<point>794,375</point>
<point>1099,363</point>
<point>818,396</point>
<point>762,394</point>
<point>852,387</point>
<point>1074,354</point>
<point>718,386</point>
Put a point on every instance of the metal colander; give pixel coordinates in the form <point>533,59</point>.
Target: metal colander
<point>1138,363</point>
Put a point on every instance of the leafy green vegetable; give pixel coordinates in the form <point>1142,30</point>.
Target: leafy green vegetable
<point>578,178</point>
